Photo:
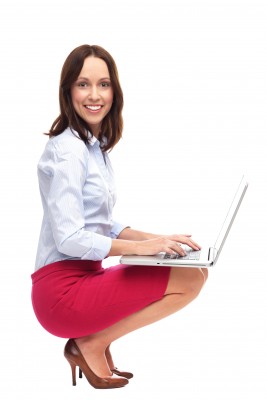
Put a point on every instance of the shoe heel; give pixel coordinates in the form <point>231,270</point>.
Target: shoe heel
<point>73,372</point>
<point>80,373</point>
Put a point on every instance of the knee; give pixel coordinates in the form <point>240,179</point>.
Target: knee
<point>195,282</point>
<point>205,273</point>
<point>186,281</point>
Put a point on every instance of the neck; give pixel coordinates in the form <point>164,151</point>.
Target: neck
<point>95,130</point>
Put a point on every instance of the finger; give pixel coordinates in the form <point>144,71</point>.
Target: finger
<point>178,249</point>
<point>178,238</point>
<point>194,245</point>
<point>190,242</point>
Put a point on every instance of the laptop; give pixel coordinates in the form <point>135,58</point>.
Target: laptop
<point>208,255</point>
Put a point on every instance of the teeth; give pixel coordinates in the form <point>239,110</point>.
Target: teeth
<point>93,108</point>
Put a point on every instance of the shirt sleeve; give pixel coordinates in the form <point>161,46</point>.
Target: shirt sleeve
<point>66,178</point>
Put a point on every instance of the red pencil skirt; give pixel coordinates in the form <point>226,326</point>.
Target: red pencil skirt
<point>75,298</point>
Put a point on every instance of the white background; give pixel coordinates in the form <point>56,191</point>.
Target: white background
<point>194,79</point>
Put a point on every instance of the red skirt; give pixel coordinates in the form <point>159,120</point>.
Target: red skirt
<point>75,298</point>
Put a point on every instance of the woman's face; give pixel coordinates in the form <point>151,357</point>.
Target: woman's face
<point>92,93</point>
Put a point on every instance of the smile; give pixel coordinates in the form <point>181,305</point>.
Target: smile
<point>94,108</point>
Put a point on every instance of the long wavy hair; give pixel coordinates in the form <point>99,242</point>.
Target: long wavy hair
<point>112,124</point>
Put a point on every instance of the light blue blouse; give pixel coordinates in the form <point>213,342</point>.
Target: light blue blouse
<point>78,195</point>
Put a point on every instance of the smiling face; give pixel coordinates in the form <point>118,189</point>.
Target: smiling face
<point>92,93</point>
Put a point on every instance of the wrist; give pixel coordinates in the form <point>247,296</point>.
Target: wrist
<point>123,247</point>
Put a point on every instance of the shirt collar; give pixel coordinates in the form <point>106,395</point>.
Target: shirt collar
<point>93,140</point>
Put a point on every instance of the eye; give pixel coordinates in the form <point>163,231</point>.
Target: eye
<point>82,84</point>
<point>105,84</point>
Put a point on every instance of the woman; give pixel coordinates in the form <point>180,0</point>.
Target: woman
<point>73,296</point>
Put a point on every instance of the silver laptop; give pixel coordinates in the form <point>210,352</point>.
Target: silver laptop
<point>208,255</point>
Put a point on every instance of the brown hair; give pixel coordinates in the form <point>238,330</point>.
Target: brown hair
<point>112,124</point>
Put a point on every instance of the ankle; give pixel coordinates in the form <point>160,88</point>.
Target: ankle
<point>91,342</point>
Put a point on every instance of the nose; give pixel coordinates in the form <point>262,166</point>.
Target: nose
<point>94,94</point>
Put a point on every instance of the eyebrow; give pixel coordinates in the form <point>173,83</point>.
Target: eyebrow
<point>86,79</point>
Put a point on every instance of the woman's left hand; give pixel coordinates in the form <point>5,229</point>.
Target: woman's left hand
<point>184,239</point>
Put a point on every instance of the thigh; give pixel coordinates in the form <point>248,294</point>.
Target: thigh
<point>78,302</point>
<point>123,289</point>
<point>117,293</point>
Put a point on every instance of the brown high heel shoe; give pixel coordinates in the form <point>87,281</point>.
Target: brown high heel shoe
<point>125,374</point>
<point>76,359</point>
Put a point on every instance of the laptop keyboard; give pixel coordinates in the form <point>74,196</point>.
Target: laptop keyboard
<point>190,255</point>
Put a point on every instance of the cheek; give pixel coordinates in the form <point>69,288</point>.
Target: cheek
<point>76,94</point>
<point>75,99</point>
<point>109,99</point>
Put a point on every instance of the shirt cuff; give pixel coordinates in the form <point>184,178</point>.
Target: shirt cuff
<point>117,228</point>
<point>100,248</point>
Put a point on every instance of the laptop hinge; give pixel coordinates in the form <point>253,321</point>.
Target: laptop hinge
<point>212,253</point>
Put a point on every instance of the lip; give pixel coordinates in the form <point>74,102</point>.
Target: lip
<point>93,108</point>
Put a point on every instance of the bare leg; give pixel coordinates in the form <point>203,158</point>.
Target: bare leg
<point>184,285</point>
